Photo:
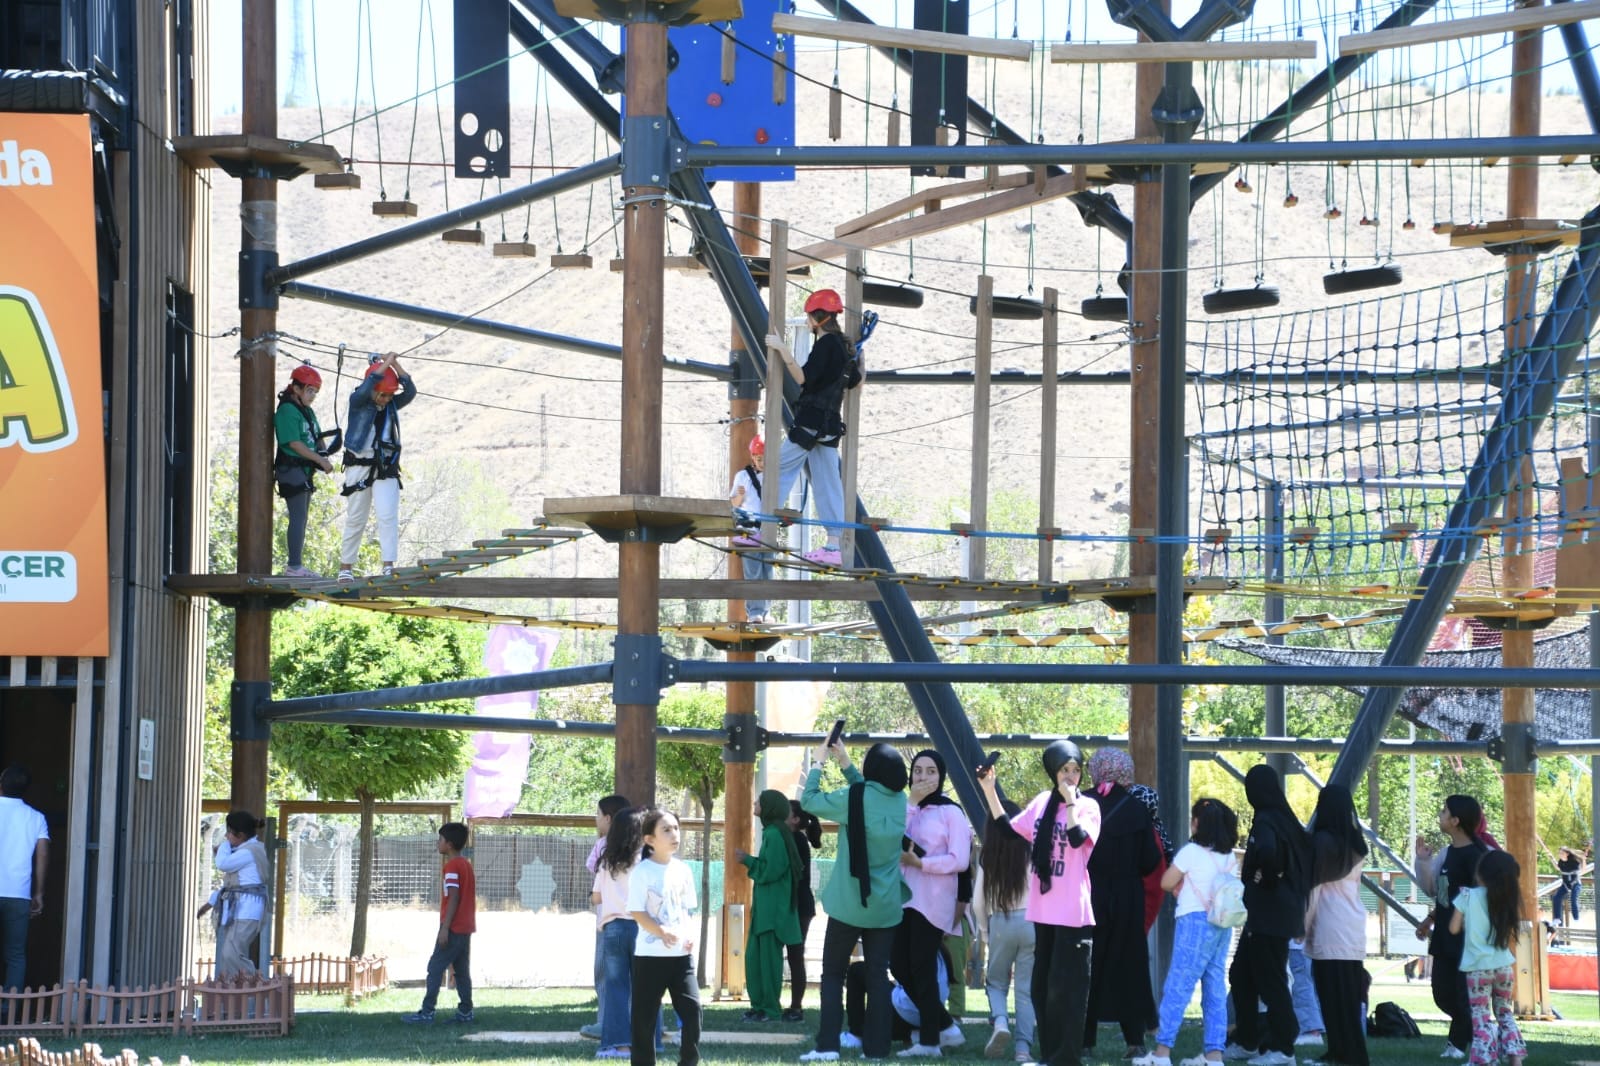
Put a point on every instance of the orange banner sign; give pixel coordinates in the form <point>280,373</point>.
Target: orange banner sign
<point>53,571</point>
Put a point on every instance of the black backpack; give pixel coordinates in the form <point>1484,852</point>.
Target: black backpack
<point>1392,1020</point>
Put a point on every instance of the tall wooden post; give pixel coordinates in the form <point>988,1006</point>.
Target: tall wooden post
<point>1516,647</point>
<point>258,217</point>
<point>855,269</point>
<point>978,488</point>
<point>1048,395</point>
<point>1144,382</point>
<point>644,238</point>
<point>738,778</point>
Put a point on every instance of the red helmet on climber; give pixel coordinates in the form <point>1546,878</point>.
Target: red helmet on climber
<point>825,300</point>
<point>306,374</point>
<point>757,445</point>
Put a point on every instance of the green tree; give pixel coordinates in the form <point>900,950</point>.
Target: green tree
<point>698,769</point>
<point>323,649</point>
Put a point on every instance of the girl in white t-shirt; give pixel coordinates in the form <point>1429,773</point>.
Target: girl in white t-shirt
<point>1199,949</point>
<point>662,899</point>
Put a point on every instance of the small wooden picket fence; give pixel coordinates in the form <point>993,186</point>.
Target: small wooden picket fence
<point>248,1005</point>
<point>354,977</point>
<point>28,1052</point>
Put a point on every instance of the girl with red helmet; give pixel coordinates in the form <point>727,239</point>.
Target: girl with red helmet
<point>372,462</point>
<point>812,445</point>
<point>745,496</point>
<point>295,426</point>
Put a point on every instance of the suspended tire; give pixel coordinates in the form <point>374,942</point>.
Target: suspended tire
<point>1016,307</point>
<point>1106,309</point>
<point>1227,301</point>
<point>882,294</point>
<point>1344,281</point>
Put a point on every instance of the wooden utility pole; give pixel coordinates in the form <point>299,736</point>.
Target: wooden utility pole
<point>738,780</point>
<point>258,218</point>
<point>1516,643</point>
<point>644,239</point>
<point>1144,306</point>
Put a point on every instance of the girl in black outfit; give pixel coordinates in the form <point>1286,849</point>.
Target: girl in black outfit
<point>1462,820</point>
<point>807,837</point>
<point>1276,872</point>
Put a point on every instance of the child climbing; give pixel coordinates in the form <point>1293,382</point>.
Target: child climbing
<point>745,497</point>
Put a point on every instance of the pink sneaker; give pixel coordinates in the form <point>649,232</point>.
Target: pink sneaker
<point>824,556</point>
<point>746,541</point>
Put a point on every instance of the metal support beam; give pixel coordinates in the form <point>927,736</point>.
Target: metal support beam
<point>1535,378</point>
<point>471,688</point>
<point>576,178</point>
<point>487,327</point>
<point>1275,722</point>
<point>1581,58</point>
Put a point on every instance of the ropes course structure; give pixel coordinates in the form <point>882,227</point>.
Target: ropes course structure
<point>1370,420</point>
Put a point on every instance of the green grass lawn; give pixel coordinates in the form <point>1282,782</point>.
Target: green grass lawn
<point>371,1033</point>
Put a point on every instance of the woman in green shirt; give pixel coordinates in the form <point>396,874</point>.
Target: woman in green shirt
<point>295,426</point>
<point>774,910</point>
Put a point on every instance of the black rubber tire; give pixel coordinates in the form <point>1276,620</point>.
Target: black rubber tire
<point>1020,308</point>
<point>882,294</point>
<point>1106,309</point>
<point>1227,301</point>
<point>1378,277</point>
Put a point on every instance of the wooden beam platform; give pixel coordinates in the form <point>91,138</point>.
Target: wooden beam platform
<point>931,199</point>
<point>895,37</point>
<point>251,149</point>
<point>679,12</point>
<point>1181,52</point>
<point>1539,231</point>
<point>642,517</point>
<point>1454,29</point>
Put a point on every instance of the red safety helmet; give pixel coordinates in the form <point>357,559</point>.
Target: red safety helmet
<point>757,445</point>
<point>306,374</point>
<point>388,381</point>
<point>825,300</point>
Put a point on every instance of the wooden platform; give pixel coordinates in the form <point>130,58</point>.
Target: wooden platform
<point>231,151</point>
<point>660,519</point>
<point>1540,233</point>
<point>680,13</point>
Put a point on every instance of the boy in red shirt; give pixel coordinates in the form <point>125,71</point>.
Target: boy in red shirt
<point>458,920</point>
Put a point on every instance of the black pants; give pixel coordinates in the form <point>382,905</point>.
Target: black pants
<point>1342,991</point>
<point>855,1007</point>
<point>1450,996</point>
<point>914,962</point>
<point>1260,970</point>
<point>674,975</point>
<point>837,943</point>
<point>455,954</point>
<point>1061,955</point>
<point>797,966</point>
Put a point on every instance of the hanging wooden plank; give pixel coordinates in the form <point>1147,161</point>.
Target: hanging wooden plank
<point>896,37</point>
<point>1182,52</point>
<point>1479,26</point>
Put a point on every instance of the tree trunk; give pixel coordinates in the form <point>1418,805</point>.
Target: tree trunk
<point>358,930</point>
<point>706,801</point>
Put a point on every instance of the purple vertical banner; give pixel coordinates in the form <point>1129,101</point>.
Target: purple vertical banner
<point>500,760</point>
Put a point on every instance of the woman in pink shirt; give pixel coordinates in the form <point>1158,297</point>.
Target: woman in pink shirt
<point>1062,825</point>
<point>936,849</point>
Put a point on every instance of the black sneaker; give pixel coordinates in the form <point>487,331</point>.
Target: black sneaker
<point>794,1014</point>
<point>421,1017</point>
<point>462,1017</point>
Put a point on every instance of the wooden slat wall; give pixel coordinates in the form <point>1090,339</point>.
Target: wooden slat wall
<point>158,650</point>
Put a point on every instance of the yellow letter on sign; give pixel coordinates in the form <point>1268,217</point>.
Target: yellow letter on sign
<point>35,403</point>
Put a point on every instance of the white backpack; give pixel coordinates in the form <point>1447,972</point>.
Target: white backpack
<point>1225,908</point>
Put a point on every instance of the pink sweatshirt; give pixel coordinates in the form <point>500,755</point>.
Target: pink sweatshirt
<point>1067,903</point>
<point>942,831</point>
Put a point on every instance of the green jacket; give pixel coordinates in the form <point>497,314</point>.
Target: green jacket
<point>885,815</point>
<point>772,907</point>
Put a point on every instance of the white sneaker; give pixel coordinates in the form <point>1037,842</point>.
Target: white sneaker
<point>921,1051</point>
<point>1235,1053</point>
<point>952,1037</point>
<point>820,1056</point>
<point>1024,1053</point>
<point>1198,1060</point>
<point>849,1041</point>
<point>1305,1039</point>
<point>1151,1060</point>
<point>1452,1052</point>
<point>999,1042</point>
<point>1271,1058</point>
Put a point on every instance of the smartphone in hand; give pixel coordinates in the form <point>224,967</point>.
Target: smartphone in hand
<point>836,732</point>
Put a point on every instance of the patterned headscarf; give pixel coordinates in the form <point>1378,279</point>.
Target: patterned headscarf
<point>1110,766</point>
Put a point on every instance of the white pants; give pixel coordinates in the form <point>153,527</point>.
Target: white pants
<point>821,466</point>
<point>383,497</point>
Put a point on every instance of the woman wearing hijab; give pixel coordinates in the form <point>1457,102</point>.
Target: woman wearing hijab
<point>806,832</point>
<point>774,907</point>
<point>937,848</point>
<point>1276,872</point>
<point>1336,926</point>
<point>1124,854</point>
<point>1062,825</point>
<point>864,897</point>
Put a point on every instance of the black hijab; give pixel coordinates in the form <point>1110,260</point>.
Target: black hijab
<point>937,796</point>
<point>1056,755</point>
<point>1264,790</point>
<point>1338,844</point>
<point>884,765</point>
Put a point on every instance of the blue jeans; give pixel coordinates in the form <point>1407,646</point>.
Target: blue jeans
<point>617,938</point>
<point>1199,956</point>
<point>1011,962</point>
<point>456,954</point>
<point>14,939</point>
<point>1307,1008</point>
<point>1563,895</point>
